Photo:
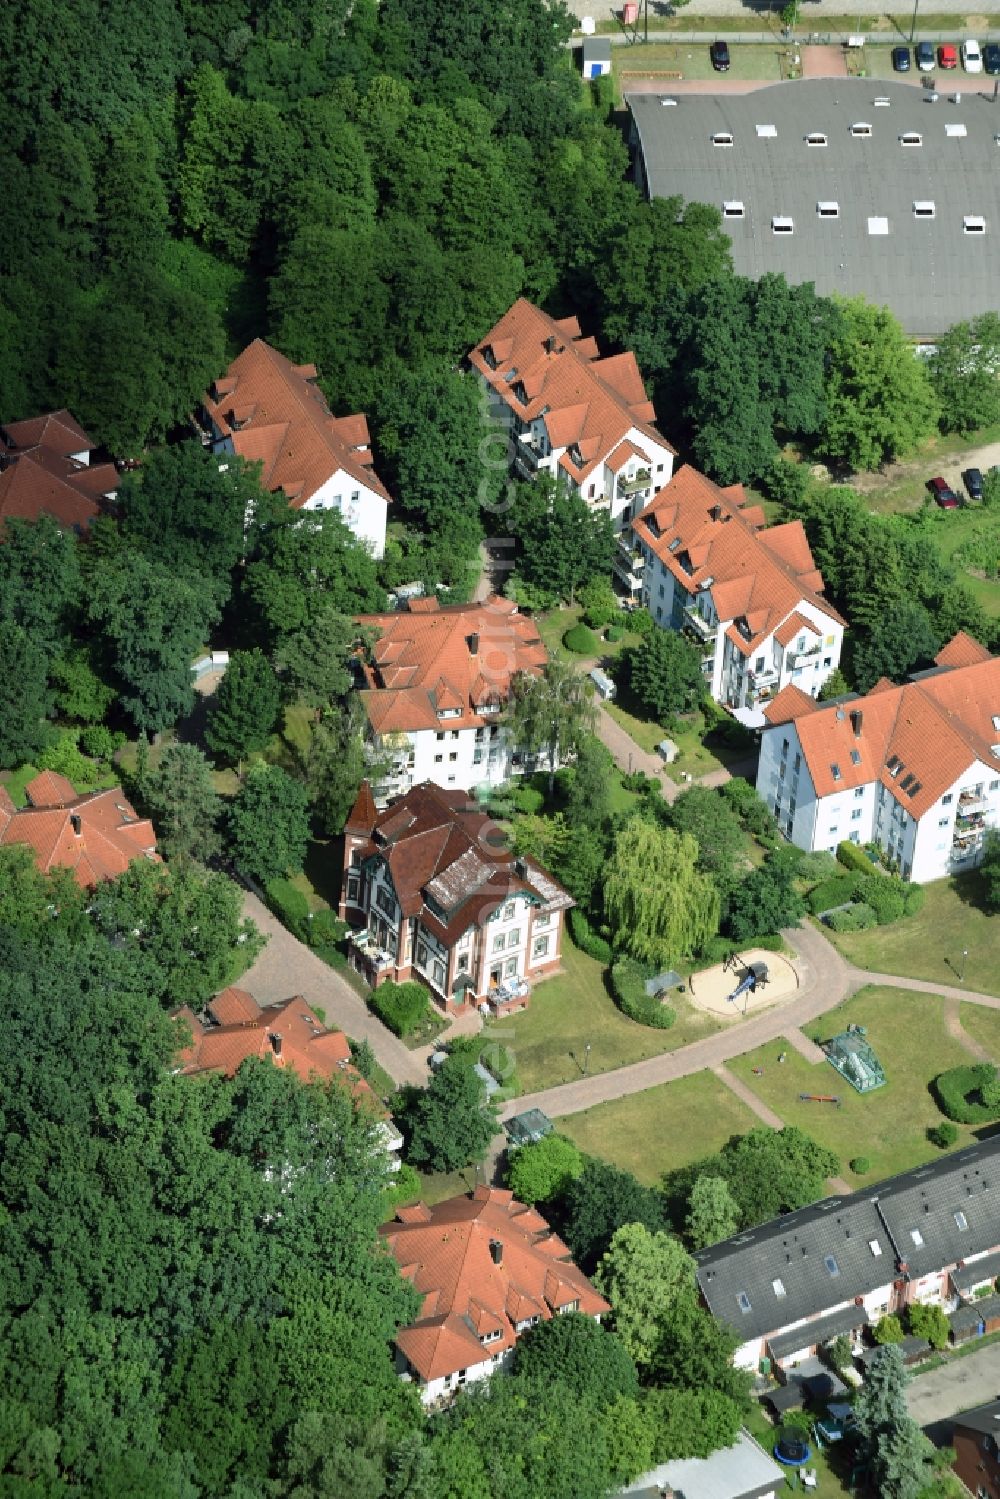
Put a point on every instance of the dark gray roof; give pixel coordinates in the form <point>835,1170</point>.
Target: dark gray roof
<point>819,1330</point>
<point>911,1348</point>
<point>968,1317</point>
<point>934,1201</point>
<point>967,1276</point>
<point>794,1248</point>
<point>982,1418</point>
<point>928,271</point>
<point>596,49</point>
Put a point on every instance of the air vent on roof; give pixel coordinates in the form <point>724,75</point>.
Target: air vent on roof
<point>766,132</point>
<point>828,210</point>
<point>861,130</point>
<point>878,225</point>
<point>883,101</point>
<point>974,223</point>
<point>955,129</point>
<point>782,225</point>
<point>722,138</point>
<point>815,138</point>
<point>923,209</point>
<point>911,138</point>
<point>733,209</point>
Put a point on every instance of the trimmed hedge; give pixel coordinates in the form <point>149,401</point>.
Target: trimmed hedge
<point>326,929</point>
<point>853,857</point>
<point>836,891</point>
<point>859,918</point>
<point>586,939</point>
<point>885,894</point>
<point>613,634</point>
<point>956,1089</point>
<point>628,987</point>
<point>581,641</point>
<point>401,1007</point>
<point>289,905</point>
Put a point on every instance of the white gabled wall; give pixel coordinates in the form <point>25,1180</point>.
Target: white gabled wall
<point>363,510</point>
<point>457,759</point>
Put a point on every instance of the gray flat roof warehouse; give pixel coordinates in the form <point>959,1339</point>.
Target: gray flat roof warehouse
<point>858,185</point>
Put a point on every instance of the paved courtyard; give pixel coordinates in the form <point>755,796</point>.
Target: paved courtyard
<point>956,1387</point>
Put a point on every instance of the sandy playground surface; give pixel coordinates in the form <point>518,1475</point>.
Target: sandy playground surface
<point>709,990</point>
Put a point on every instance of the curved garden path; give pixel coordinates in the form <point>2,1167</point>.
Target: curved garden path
<point>826,979</point>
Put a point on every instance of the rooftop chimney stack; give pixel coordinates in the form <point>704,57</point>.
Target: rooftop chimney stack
<point>550,344</point>
<point>474,644</point>
<point>496,1251</point>
<point>76,824</point>
<point>857,719</point>
<point>276,1044</point>
<point>716,512</point>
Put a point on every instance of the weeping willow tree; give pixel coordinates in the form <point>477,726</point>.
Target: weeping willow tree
<point>658,905</point>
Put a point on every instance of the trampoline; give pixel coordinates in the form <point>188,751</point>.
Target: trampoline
<point>792,1449</point>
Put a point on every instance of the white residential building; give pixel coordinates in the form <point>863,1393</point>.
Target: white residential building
<point>914,769</point>
<point>572,414</point>
<point>436,681</point>
<point>270,411</point>
<point>750,597</point>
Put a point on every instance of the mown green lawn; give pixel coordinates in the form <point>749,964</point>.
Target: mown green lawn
<point>15,782</point>
<point>983,1025</point>
<point>662,1128</point>
<point>574,1008</point>
<point>930,945</point>
<point>907,1032</point>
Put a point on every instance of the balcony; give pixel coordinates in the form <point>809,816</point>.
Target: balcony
<point>629,566</point>
<point>971,803</point>
<point>766,677</point>
<point>504,999</point>
<point>527,453</point>
<point>800,658</point>
<point>704,629</point>
<point>641,480</point>
<point>368,957</point>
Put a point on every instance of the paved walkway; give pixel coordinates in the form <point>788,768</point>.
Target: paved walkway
<point>826,979</point>
<point>287,966</point>
<point>955,1387</point>
<point>748,1096</point>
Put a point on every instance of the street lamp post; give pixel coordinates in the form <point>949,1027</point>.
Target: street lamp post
<point>913,24</point>
<point>586,1060</point>
<point>965,954</point>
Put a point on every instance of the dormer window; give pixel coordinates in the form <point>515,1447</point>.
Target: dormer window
<point>493,1336</point>
<point>489,358</point>
<point>519,393</point>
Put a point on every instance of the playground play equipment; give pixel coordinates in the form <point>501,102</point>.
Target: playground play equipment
<point>819,1098</point>
<point>854,1059</point>
<point>755,976</point>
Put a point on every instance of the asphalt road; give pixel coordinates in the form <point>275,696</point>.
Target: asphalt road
<point>942,1393</point>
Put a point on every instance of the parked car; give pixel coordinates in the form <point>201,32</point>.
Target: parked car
<point>973,481</point>
<point>925,56</point>
<point>991,59</point>
<point>972,57</point>
<point>901,59</point>
<point>945,497</point>
<point>719,53</point>
<point>947,56</point>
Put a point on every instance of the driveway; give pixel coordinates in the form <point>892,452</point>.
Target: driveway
<point>287,967</point>
<point>956,1387</point>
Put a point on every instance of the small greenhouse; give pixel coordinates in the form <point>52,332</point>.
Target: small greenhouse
<point>854,1059</point>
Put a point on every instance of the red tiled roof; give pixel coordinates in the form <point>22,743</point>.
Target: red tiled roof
<point>59,431</point>
<point>438,845</point>
<point>287,426</point>
<point>916,739</point>
<point>790,703</point>
<point>96,836</point>
<point>794,625</point>
<point>583,399</point>
<point>431,658</point>
<point>288,1033</point>
<point>962,650</point>
<point>450,1253</point>
<point>39,482</point>
<point>704,537</point>
<point>48,789</point>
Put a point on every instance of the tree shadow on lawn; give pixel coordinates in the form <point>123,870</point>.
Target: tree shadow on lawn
<point>324,868</point>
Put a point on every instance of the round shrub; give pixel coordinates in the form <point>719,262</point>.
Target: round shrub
<point>944,1134</point>
<point>959,1093</point>
<point>861,1165</point>
<point>885,895</point>
<point>589,941</point>
<point>628,987</point>
<point>326,929</point>
<point>888,1329</point>
<point>613,634</point>
<point>581,641</point>
<point>640,622</point>
<point>99,742</point>
<point>860,918</point>
<point>527,799</point>
<point>400,1006</point>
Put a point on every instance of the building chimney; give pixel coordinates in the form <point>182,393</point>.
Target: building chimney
<point>716,512</point>
<point>496,1251</point>
<point>550,344</point>
<point>473,644</point>
<point>857,719</point>
<point>275,1043</point>
<point>76,824</point>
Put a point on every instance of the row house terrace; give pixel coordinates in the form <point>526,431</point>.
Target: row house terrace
<point>488,1268</point>
<point>794,1284</point>
<point>272,412</point>
<point>435,681</point>
<point>914,769</point>
<point>434,894</point>
<point>585,420</point>
<point>750,598</point>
